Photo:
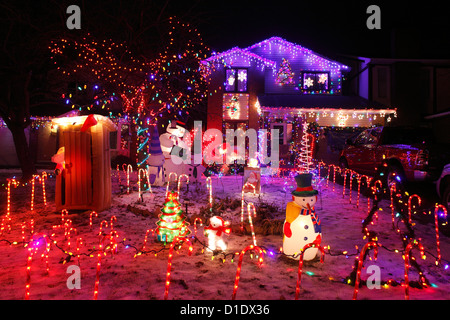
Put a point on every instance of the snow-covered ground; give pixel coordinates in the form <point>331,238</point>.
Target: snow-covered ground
<point>202,275</point>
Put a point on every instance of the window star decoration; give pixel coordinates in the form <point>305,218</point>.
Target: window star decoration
<point>172,222</point>
<point>285,74</point>
<point>302,225</point>
<point>323,78</point>
<point>309,82</point>
<point>215,231</point>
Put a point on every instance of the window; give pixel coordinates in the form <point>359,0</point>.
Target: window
<point>236,80</point>
<point>315,81</point>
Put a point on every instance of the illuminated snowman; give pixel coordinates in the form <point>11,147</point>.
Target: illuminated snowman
<point>302,225</point>
<point>215,231</point>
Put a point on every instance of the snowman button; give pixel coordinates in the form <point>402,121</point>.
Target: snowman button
<point>306,226</point>
<point>305,238</point>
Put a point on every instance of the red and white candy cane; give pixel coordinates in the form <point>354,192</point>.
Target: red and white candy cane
<point>93,213</point>
<point>99,263</point>
<point>300,264</point>
<point>146,237</point>
<point>209,187</point>
<point>129,170</point>
<point>32,250</point>
<point>179,182</point>
<point>238,271</point>
<point>251,207</point>
<point>436,227</point>
<point>360,263</point>
<point>411,197</point>
<point>168,182</point>
<point>104,222</point>
<point>252,186</point>
<point>169,262</point>
<point>195,224</point>
<point>410,245</point>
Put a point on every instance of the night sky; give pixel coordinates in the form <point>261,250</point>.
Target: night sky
<point>331,28</point>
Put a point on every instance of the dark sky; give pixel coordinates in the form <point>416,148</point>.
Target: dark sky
<point>420,30</point>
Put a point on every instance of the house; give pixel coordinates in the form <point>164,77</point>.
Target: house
<point>419,88</point>
<point>277,84</point>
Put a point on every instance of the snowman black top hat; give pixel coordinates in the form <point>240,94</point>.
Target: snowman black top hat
<point>304,186</point>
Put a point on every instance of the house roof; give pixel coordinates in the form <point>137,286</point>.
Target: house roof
<point>238,51</point>
<point>248,52</point>
<point>317,101</point>
<point>298,49</point>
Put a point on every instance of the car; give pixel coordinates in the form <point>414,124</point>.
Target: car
<point>443,186</point>
<point>396,153</point>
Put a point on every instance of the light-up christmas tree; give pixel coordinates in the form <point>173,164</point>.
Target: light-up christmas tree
<point>285,74</point>
<point>172,222</point>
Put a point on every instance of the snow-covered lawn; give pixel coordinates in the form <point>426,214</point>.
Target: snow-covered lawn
<point>204,275</point>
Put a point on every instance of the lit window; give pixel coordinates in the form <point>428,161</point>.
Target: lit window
<point>236,80</point>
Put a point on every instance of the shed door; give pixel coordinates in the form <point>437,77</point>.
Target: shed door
<point>78,158</point>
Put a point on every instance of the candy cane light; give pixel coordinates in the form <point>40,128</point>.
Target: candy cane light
<point>410,245</point>
<point>238,271</point>
<point>436,227</point>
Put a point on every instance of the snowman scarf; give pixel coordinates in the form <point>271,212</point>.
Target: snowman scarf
<point>315,219</point>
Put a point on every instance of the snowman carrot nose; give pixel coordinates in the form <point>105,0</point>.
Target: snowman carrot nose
<point>309,207</point>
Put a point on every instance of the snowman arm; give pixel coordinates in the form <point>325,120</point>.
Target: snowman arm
<point>287,229</point>
<point>292,212</point>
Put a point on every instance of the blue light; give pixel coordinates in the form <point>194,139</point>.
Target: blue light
<point>398,178</point>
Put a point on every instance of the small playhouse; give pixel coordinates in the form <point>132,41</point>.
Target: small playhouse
<point>83,162</point>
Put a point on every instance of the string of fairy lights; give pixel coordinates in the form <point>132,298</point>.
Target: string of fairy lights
<point>401,205</point>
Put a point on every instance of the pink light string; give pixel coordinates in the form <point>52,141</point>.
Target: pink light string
<point>436,227</point>
<point>419,200</point>
<point>169,262</point>
<point>300,264</point>
<point>247,184</point>
<point>179,182</point>
<point>238,271</point>
<point>360,263</point>
<point>168,182</point>
<point>410,245</point>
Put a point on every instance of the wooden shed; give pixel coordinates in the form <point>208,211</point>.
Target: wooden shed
<point>85,181</point>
